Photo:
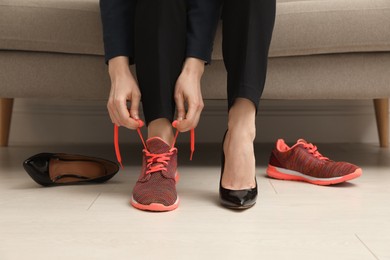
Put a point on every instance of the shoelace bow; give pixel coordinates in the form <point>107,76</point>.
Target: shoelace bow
<point>314,151</point>
<point>156,162</point>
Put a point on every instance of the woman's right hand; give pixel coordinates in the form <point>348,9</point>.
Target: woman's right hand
<point>123,88</point>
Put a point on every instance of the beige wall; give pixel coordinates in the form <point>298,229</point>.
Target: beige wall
<point>38,121</point>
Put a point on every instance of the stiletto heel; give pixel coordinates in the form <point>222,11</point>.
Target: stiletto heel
<point>235,199</point>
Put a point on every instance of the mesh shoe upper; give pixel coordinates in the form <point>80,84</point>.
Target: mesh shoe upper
<point>156,183</point>
<point>304,158</point>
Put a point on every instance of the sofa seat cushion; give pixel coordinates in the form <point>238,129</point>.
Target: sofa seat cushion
<point>332,26</point>
<point>309,27</point>
<point>303,27</point>
<point>66,26</point>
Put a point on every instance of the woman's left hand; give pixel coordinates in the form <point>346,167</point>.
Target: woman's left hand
<point>188,91</point>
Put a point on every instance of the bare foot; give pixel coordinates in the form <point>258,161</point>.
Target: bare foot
<point>240,162</point>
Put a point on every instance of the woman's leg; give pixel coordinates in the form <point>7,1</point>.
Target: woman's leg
<point>160,47</point>
<point>247,32</point>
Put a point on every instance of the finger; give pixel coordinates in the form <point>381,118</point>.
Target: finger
<point>134,108</point>
<point>124,115</point>
<point>190,118</point>
<point>112,113</point>
<point>197,117</point>
<point>111,108</point>
<point>181,111</point>
<point>111,117</point>
<point>199,108</point>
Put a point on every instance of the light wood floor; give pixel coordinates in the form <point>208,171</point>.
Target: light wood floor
<point>291,220</point>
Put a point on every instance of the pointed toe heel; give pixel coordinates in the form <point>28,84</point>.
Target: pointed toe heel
<point>235,199</point>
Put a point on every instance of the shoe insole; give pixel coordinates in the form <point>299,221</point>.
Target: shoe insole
<point>75,171</point>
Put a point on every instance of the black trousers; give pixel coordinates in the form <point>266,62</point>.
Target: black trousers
<point>160,50</point>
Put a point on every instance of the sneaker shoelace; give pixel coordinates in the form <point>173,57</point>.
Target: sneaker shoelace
<point>156,162</point>
<point>314,151</point>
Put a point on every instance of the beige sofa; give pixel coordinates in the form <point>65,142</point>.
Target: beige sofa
<point>327,49</point>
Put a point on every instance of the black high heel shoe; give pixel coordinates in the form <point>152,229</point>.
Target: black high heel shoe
<point>55,169</point>
<point>235,199</point>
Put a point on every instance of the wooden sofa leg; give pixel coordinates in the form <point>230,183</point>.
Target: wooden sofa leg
<point>382,120</point>
<point>6,105</point>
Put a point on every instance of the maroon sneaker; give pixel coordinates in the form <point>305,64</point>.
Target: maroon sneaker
<point>303,162</point>
<point>155,189</point>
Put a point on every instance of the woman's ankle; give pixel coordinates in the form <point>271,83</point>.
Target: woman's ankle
<point>161,128</point>
<point>242,118</point>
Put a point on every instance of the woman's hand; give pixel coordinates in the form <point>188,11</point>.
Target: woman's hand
<point>188,91</point>
<point>123,88</point>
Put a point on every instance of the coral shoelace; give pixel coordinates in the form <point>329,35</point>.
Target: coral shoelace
<point>314,151</point>
<point>157,162</point>
<point>160,161</point>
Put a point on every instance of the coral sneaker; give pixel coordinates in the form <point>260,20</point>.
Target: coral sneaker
<point>155,189</point>
<point>303,162</point>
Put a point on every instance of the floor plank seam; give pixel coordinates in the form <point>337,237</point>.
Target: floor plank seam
<point>361,241</point>
<point>273,187</point>
<point>94,200</point>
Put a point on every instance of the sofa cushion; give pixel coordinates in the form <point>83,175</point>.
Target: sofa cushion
<point>303,27</point>
<point>68,26</point>
<point>332,76</point>
<point>307,27</point>
<point>332,26</point>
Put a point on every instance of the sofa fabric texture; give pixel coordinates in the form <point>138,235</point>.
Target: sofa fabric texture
<point>321,49</point>
<point>302,27</point>
<point>302,77</point>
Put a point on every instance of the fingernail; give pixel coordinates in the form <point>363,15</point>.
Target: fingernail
<point>174,123</point>
<point>140,123</point>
